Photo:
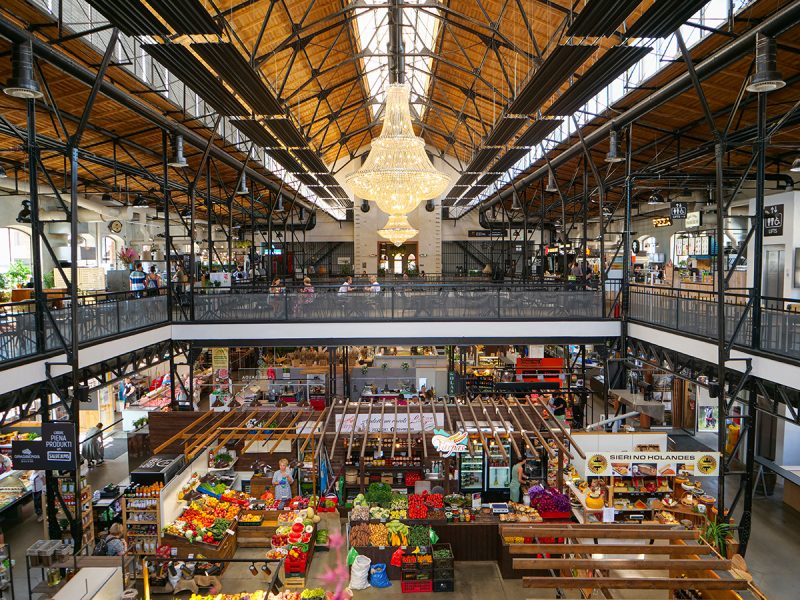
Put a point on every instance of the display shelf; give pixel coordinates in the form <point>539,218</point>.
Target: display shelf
<point>138,545</point>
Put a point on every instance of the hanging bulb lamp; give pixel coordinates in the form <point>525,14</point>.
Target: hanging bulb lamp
<point>397,230</point>
<point>398,175</point>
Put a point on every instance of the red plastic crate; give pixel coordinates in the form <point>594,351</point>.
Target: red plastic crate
<point>295,566</point>
<point>415,587</point>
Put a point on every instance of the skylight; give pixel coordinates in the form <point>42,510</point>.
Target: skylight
<point>420,28</point>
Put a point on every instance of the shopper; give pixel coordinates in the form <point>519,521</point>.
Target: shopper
<point>558,407</point>
<point>307,287</point>
<point>92,447</point>
<point>518,480</point>
<point>239,275</point>
<point>346,286</point>
<point>283,480</point>
<point>152,282</point>
<point>114,542</point>
<point>180,279</point>
<point>130,392</point>
<point>137,278</point>
<point>37,489</point>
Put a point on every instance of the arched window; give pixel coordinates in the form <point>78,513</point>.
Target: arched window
<point>111,247</point>
<point>15,245</point>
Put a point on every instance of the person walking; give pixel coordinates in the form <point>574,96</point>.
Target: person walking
<point>180,279</point>
<point>137,278</point>
<point>130,393</point>
<point>114,542</point>
<point>92,447</point>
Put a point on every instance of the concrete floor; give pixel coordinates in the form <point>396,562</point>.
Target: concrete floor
<point>771,557</point>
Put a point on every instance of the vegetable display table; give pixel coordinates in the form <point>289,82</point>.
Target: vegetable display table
<point>225,549</point>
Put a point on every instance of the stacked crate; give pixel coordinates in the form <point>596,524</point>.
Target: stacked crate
<point>417,573</point>
<point>443,569</point>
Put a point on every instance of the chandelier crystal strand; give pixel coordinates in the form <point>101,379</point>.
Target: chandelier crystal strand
<point>397,230</point>
<point>398,175</point>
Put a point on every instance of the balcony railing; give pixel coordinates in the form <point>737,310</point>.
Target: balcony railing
<point>100,316</point>
<point>695,312</point>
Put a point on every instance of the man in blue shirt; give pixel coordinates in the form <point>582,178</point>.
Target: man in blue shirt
<point>137,278</point>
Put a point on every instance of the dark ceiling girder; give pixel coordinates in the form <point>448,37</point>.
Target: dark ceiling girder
<point>773,25</point>
<point>44,51</point>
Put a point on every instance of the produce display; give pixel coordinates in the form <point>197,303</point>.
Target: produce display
<point>417,508</point>
<point>322,537</point>
<point>379,493</point>
<point>359,535</point>
<point>378,534</point>
<point>456,500</point>
<point>377,512</point>
<point>398,533</point>
<point>419,535</point>
<point>442,554</point>
<point>359,513</point>
<point>205,520</point>
<point>548,499</point>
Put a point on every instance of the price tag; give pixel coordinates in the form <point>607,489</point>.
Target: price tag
<point>608,515</point>
<point>230,532</point>
<point>381,547</point>
<point>191,556</point>
<point>383,520</point>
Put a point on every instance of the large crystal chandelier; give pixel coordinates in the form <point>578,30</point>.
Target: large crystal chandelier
<point>398,175</point>
<point>397,230</point>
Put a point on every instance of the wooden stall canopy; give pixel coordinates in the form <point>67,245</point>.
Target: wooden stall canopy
<point>501,421</point>
<point>652,556</point>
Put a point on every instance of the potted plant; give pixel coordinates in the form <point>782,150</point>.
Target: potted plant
<point>718,535</point>
<point>18,274</point>
<point>128,256</point>
<point>364,370</point>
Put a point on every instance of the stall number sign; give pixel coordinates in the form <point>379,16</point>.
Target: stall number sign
<point>678,210</point>
<point>652,464</point>
<point>773,220</point>
<point>447,444</point>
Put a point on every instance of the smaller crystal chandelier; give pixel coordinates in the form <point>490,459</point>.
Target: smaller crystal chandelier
<point>398,230</point>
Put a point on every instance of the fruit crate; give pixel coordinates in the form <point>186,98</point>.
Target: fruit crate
<point>416,574</point>
<point>444,586</point>
<point>442,563</point>
<point>416,587</point>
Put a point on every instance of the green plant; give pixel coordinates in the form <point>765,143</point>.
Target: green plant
<point>18,273</point>
<point>405,366</point>
<point>364,369</point>
<point>345,270</point>
<point>381,272</point>
<point>49,280</point>
<point>716,534</point>
<point>224,457</point>
<point>139,423</point>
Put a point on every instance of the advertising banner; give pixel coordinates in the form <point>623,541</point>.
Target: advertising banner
<point>652,464</point>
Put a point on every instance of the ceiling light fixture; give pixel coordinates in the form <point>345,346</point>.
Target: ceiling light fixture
<point>278,204</point>
<point>515,205</point>
<point>243,191</point>
<point>551,182</point>
<point>24,215</point>
<point>613,155</point>
<point>795,168</point>
<point>398,174</point>
<point>766,78</point>
<point>22,83</point>
<point>178,160</point>
<point>398,230</point>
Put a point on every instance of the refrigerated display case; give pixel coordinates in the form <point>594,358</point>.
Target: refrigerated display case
<point>498,472</point>
<point>470,472</point>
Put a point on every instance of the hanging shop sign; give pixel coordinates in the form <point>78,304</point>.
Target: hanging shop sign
<point>158,469</point>
<point>652,464</point>
<point>693,219</point>
<point>447,444</point>
<point>773,220</point>
<point>678,210</point>
<point>635,246</point>
<point>662,222</point>
<point>219,359</point>
<point>480,233</point>
<point>57,450</point>
<point>402,423</point>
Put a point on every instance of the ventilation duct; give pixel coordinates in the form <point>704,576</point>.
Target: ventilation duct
<point>766,77</point>
<point>537,132</point>
<point>256,132</point>
<point>178,160</point>
<point>504,130</point>
<point>22,83</point>
<point>131,17</point>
